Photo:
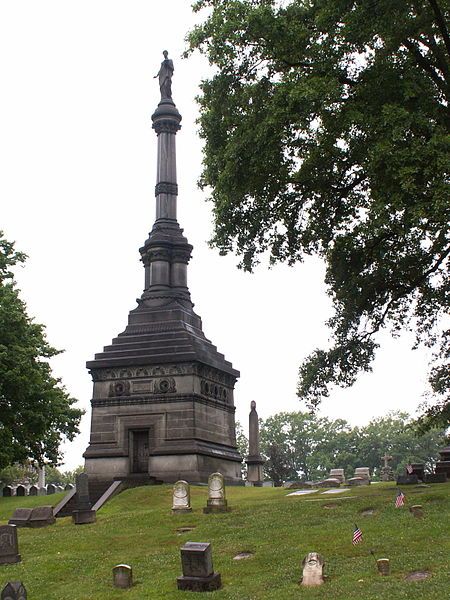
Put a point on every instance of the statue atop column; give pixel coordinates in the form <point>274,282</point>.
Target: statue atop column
<point>165,74</point>
<point>254,460</point>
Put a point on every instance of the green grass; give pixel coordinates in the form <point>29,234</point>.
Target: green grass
<point>65,561</point>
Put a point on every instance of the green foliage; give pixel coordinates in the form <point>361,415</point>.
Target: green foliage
<point>242,446</point>
<point>303,446</point>
<point>17,473</point>
<point>35,410</point>
<point>63,562</point>
<point>326,130</point>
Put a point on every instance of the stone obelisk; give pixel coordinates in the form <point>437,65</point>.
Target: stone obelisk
<point>163,403</point>
<point>254,459</point>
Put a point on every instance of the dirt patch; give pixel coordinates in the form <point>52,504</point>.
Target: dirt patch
<point>181,530</point>
<point>243,555</point>
<point>331,506</point>
<point>418,575</point>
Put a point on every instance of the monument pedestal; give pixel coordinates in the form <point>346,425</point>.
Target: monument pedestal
<point>84,517</point>
<point>200,584</point>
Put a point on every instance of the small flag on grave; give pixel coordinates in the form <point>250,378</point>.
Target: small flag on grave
<point>409,469</point>
<point>357,535</point>
<point>400,499</point>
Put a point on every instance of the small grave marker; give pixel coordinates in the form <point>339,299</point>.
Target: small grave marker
<point>312,569</point>
<point>9,545</point>
<point>417,510</point>
<point>198,573</point>
<point>181,498</point>
<point>216,495</point>
<point>123,576</point>
<point>383,566</point>
<point>33,491</point>
<point>14,590</point>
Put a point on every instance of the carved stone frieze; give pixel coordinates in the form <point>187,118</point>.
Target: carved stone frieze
<point>213,390</point>
<point>162,398</point>
<point>166,187</point>
<point>146,371</point>
<point>165,385</point>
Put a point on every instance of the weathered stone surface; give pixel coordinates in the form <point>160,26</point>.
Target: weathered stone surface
<point>181,498</point>
<point>329,482</point>
<point>20,517</point>
<point>68,487</point>
<point>417,510</point>
<point>357,481</point>
<point>9,545</point>
<point>312,569</point>
<point>41,516</point>
<point>14,590</point>
<point>82,494</point>
<point>407,480</point>
<point>417,575</point>
<point>84,517</point>
<point>362,472</point>
<point>216,494</point>
<point>122,576</point>
<point>337,474</point>
<point>435,478</point>
<point>299,485</point>
<point>198,572</point>
<point>383,566</point>
<point>254,459</point>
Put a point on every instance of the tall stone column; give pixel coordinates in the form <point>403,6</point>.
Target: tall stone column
<point>254,460</point>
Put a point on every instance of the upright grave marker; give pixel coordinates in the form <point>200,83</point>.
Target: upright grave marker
<point>181,499</point>
<point>14,590</point>
<point>9,545</point>
<point>254,459</point>
<point>198,572</point>
<point>122,576</point>
<point>216,495</point>
<point>83,514</point>
<point>312,569</point>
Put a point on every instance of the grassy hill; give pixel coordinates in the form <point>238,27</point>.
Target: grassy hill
<point>68,562</point>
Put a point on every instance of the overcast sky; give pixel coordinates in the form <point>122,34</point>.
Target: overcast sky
<point>78,166</point>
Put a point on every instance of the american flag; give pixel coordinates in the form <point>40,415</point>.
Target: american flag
<point>357,536</point>
<point>409,469</point>
<point>400,499</point>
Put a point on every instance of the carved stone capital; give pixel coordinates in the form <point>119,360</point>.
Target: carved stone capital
<point>166,126</point>
<point>182,255</point>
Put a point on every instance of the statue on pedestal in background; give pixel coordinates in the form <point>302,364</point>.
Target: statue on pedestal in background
<point>165,74</point>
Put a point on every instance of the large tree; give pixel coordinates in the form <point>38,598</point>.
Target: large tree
<point>326,129</point>
<point>36,413</point>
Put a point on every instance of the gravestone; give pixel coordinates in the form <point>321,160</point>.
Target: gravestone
<point>407,480</point>
<point>312,569</point>
<point>387,474</point>
<point>181,499</point>
<point>7,491</point>
<point>33,490</point>
<point>198,572</point>
<point>435,478</point>
<point>417,511</point>
<point>14,590</point>
<point>21,490</point>
<point>20,517</point>
<point>122,576</point>
<point>42,491</point>
<point>216,495</point>
<point>9,545</point>
<point>51,489</point>
<point>68,487</point>
<point>362,472</point>
<point>41,516</point>
<point>353,481</point>
<point>254,459</point>
<point>383,566</point>
<point>337,474</point>
<point>330,482</point>
<point>83,514</point>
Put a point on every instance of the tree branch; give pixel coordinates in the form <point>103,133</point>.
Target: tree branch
<point>423,62</point>
<point>441,24</point>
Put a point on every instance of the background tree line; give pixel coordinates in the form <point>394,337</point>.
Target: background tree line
<point>27,473</point>
<point>304,446</point>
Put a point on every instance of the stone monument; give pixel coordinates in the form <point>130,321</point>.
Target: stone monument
<point>21,517</point>
<point>122,576</point>
<point>41,516</point>
<point>162,403</point>
<point>9,545</point>
<point>14,590</point>
<point>198,573</point>
<point>216,495</point>
<point>383,566</point>
<point>337,474</point>
<point>254,459</point>
<point>181,499</point>
<point>312,569</point>
<point>387,474</point>
<point>443,464</point>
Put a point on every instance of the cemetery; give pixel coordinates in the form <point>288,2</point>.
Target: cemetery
<point>261,548</point>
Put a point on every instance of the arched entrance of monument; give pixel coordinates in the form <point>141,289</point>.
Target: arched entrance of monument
<point>139,450</point>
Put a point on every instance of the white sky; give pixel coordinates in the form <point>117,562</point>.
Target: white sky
<point>77,176</point>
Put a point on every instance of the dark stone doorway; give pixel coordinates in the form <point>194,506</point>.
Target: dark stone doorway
<point>140,447</point>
